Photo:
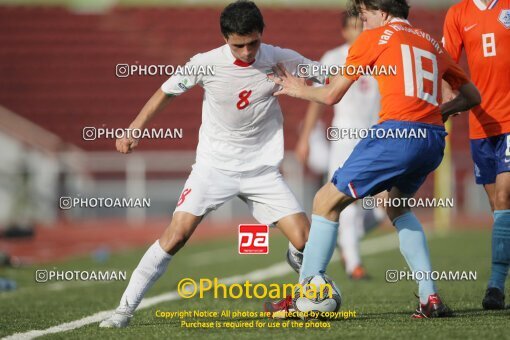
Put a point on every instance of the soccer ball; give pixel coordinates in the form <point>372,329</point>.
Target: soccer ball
<point>326,298</point>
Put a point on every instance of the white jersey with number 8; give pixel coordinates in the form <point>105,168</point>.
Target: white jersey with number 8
<point>242,123</point>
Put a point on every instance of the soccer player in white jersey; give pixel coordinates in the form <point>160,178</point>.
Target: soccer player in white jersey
<point>358,110</point>
<point>239,151</point>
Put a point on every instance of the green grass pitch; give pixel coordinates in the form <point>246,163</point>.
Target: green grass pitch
<point>383,309</point>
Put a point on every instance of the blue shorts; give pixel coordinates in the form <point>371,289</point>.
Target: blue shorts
<point>491,156</point>
<point>377,164</point>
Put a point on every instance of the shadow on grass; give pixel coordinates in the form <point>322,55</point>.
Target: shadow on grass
<point>457,313</point>
<point>480,312</point>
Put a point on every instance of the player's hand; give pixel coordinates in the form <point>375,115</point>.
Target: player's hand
<point>290,85</point>
<point>126,145</point>
<point>448,93</point>
<point>302,151</point>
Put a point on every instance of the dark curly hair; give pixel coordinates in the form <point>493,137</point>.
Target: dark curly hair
<point>395,8</point>
<point>241,17</point>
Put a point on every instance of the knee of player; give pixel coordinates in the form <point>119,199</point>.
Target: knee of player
<point>320,199</point>
<point>172,241</point>
<point>318,204</point>
<point>394,212</point>
<point>502,199</point>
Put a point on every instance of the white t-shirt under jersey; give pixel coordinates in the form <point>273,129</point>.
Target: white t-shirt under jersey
<point>235,136</point>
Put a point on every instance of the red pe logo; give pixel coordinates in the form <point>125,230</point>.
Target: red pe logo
<point>253,239</point>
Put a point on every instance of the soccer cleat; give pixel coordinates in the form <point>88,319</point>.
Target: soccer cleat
<point>359,273</point>
<point>116,320</point>
<point>295,260</point>
<point>434,308</point>
<point>279,309</point>
<point>494,299</point>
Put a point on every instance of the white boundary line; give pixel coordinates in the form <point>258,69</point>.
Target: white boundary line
<point>369,247</point>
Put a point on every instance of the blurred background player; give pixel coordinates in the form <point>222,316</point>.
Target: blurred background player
<point>410,100</point>
<point>239,152</point>
<point>358,110</point>
<point>482,28</point>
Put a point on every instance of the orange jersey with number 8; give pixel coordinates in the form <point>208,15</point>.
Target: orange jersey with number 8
<point>413,92</point>
<point>484,32</point>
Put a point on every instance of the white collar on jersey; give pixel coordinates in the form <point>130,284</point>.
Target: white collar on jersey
<point>482,6</point>
<point>400,20</point>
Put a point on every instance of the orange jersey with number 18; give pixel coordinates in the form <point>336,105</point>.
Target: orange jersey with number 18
<point>413,92</point>
<point>484,32</point>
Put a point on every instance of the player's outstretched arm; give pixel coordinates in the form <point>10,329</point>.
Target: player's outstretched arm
<point>296,87</point>
<point>467,99</point>
<point>153,106</point>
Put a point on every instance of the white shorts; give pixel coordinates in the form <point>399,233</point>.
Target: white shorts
<point>264,190</point>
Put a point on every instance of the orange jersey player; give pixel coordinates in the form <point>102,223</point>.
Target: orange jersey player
<point>482,28</point>
<point>413,93</point>
<point>410,102</point>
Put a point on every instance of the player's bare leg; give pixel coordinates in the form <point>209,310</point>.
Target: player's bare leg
<point>502,191</point>
<point>179,231</point>
<point>490,189</point>
<point>296,228</point>
<point>499,198</point>
<point>152,266</point>
<point>329,202</point>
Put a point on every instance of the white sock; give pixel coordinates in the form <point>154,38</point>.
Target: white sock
<point>294,250</point>
<point>152,265</point>
<point>351,220</point>
<point>296,258</point>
